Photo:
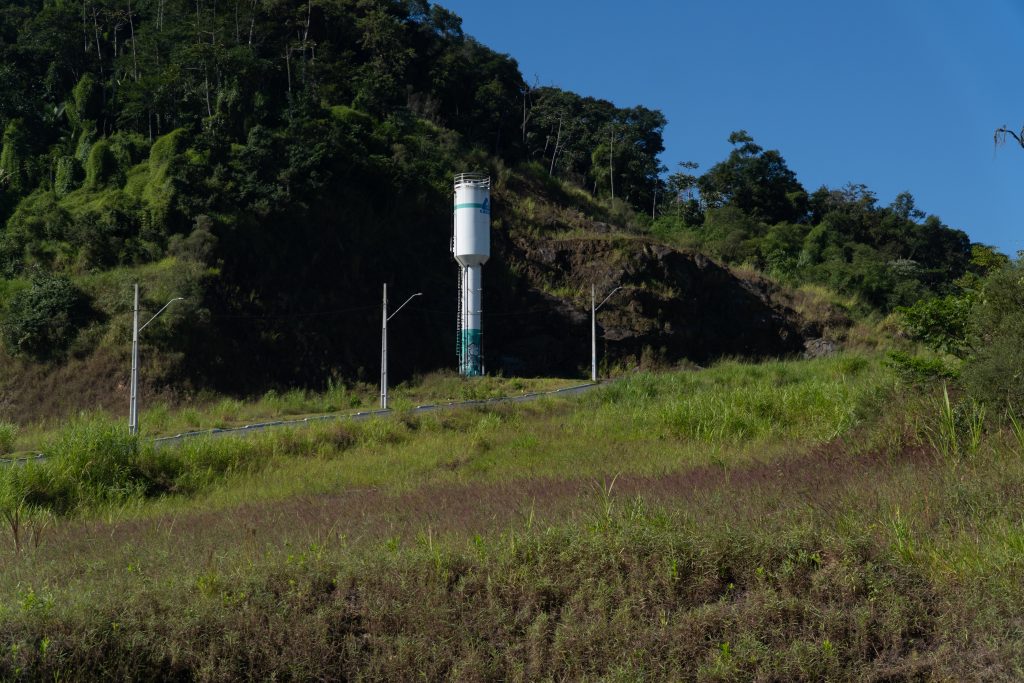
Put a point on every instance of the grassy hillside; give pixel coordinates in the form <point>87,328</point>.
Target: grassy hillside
<point>790,520</point>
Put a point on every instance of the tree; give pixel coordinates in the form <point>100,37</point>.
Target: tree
<point>756,181</point>
<point>995,370</point>
<point>1004,131</point>
<point>43,319</point>
<point>941,323</point>
<point>13,164</point>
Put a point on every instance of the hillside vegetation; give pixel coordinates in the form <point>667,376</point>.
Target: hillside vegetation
<point>274,163</point>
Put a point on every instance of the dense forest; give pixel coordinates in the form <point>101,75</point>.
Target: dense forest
<point>276,160</point>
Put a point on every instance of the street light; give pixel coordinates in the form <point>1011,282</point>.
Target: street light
<point>384,345</point>
<point>133,406</point>
<point>593,328</point>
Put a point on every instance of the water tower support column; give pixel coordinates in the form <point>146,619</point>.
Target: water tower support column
<point>471,339</point>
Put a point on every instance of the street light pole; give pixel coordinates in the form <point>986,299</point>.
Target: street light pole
<point>133,407</point>
<point>384,344</point>
<point>593,328</point>
<point>384,352</point>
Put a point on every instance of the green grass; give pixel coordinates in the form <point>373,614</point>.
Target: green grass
<point>644,424</point>
<point>208,412</point>
<point>783,521</point>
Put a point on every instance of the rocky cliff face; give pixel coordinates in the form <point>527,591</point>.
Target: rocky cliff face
<point>674,305</point>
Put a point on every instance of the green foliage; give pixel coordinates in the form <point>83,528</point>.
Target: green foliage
<point>8,433</point>
<point>596,144</point>
<point>757,213</point>
<point>957,429</point>
<point>34,233</point>
<point>95,460</point>
<point>941,323</point>
<point>86,103</point>
<point>730,234</point>
<point>106,233</point>
<point>921,370</point>
<point>995,370</point>
<point>100,166</point>
<point>128,149</point>
<point>161,178</point>
<point>83,145</point>
<point>200,245</point>
<point>985,260</point>
<point>68,176</point>
<point>13,162</point>
<point>42,320</point>
<point>755,181</point>
<point>330,149</point>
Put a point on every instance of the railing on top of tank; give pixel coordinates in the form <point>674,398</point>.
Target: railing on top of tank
<point>474,179</point>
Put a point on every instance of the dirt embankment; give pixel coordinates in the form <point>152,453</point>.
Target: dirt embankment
<point>674,305</point>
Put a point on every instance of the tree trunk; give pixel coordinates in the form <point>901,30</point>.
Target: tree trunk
<point>135,58</point>
<point>611,163</point>
<point>554,154</point>
<point>96,34</point>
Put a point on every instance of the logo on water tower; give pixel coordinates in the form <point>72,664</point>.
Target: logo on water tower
<point>486,206</point>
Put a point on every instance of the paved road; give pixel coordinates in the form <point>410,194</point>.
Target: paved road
<point>363,415</point>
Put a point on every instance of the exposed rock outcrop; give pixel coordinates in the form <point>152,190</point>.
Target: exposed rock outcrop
<point>674,305</point>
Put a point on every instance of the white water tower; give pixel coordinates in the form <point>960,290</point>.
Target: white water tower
<point>471,246</point>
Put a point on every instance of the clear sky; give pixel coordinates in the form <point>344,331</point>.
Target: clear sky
<point>898,94</point>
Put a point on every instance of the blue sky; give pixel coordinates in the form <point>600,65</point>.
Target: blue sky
<point>898,95</point>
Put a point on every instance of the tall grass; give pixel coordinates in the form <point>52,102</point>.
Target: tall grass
<point>738,403</point>
<point>632,591</point>
<point>8,435</point>
<point>666,527</point>
<point>957,430</point>
<point>161,419</point>
<point>645,423</point>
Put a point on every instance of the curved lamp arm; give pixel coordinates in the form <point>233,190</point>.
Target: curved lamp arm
<point>177,298</point>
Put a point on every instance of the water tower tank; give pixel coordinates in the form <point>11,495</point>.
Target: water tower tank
<point>472,243</point>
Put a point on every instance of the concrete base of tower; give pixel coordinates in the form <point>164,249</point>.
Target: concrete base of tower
<point>472,356</point>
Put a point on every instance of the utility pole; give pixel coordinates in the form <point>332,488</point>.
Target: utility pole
<point>384,344</point>
<point>384,352</point>
<point>133,407</point>
<point>593,328</point>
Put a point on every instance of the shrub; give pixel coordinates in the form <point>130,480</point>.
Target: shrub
<point>100,165</point>
<point>8,432</point>
<point>941,323</point>
<point>98,457</point>
<point>38,220</point>
<point>86,104</point>
<point>89,461</point>
<point>43,319</point>
<point>12,156</point>
<point>105,235</point>
<point>68,177</point>
<point>920,369</point>
<point>995,371</point>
